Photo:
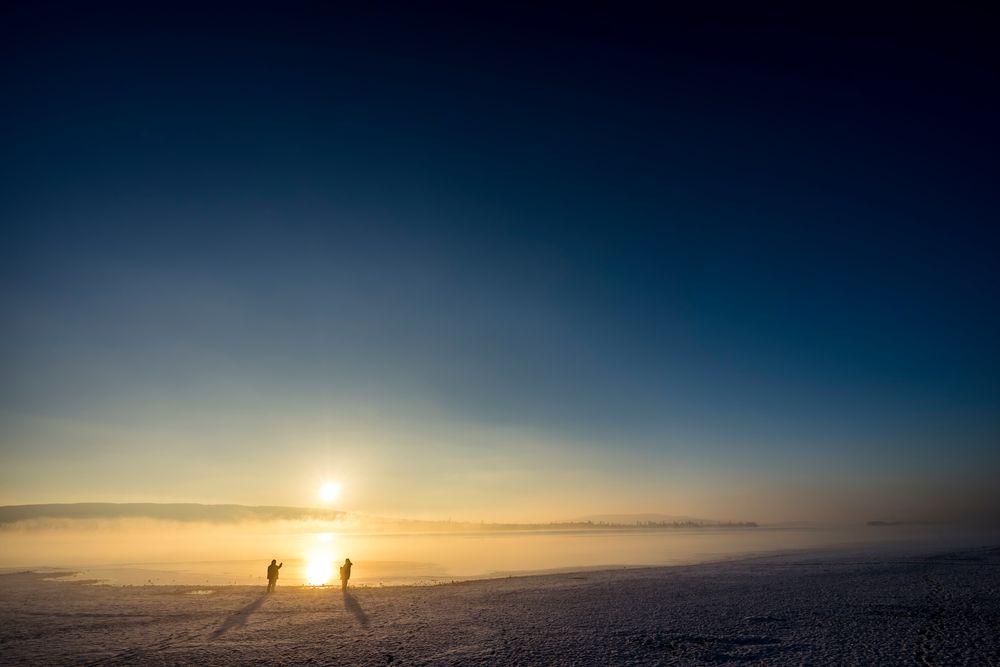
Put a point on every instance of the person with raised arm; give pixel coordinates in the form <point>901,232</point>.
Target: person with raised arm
<point>272,574</point>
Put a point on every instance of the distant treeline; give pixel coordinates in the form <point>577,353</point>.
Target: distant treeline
<point>192,512</point>
<point>599,525</point>
<point>695,524</point>
<point>904,523</point>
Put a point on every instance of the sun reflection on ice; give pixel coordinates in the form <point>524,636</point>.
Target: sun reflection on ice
<point>319,569</point>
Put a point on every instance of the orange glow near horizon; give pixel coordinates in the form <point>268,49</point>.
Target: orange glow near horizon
<point>319,568</point>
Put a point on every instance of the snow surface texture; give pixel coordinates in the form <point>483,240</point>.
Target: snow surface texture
<point>845,609</point>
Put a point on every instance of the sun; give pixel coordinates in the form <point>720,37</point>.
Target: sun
<point>329,492</point>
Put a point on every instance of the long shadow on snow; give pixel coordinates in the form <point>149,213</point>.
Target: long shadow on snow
<point>238,619</point>
<point>352,606</point>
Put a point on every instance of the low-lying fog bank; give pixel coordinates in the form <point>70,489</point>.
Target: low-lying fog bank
<point>154,551</point>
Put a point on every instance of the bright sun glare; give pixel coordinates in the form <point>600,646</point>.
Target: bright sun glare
<point>329,491</point>
<point>318,570</point>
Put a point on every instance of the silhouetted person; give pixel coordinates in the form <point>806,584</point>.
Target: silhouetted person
<point>345,573</point>
<point>272,575</point>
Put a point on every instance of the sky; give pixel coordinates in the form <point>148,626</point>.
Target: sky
<point>501,263</point>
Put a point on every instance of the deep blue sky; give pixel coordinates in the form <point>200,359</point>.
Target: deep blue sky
<point>659,246</point>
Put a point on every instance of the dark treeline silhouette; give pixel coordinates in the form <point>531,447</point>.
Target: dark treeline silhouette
<point>611,525</point>
<point>194,512</point>
<point>696,524</point>
<point>905,523</point>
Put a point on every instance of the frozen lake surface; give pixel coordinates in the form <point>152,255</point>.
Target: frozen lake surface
<point>910,604</point>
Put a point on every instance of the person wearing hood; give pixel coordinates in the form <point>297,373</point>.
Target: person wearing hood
<point>345,573</point>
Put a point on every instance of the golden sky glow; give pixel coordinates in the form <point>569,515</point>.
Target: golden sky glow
<point>436,466</point>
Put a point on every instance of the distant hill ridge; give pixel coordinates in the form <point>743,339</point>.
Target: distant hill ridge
<point>163,511</point>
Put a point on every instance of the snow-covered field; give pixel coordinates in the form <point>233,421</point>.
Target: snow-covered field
<point>833,608</point>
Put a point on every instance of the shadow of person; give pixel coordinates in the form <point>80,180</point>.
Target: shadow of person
<point>352,606</point>
<point>237,619</point>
